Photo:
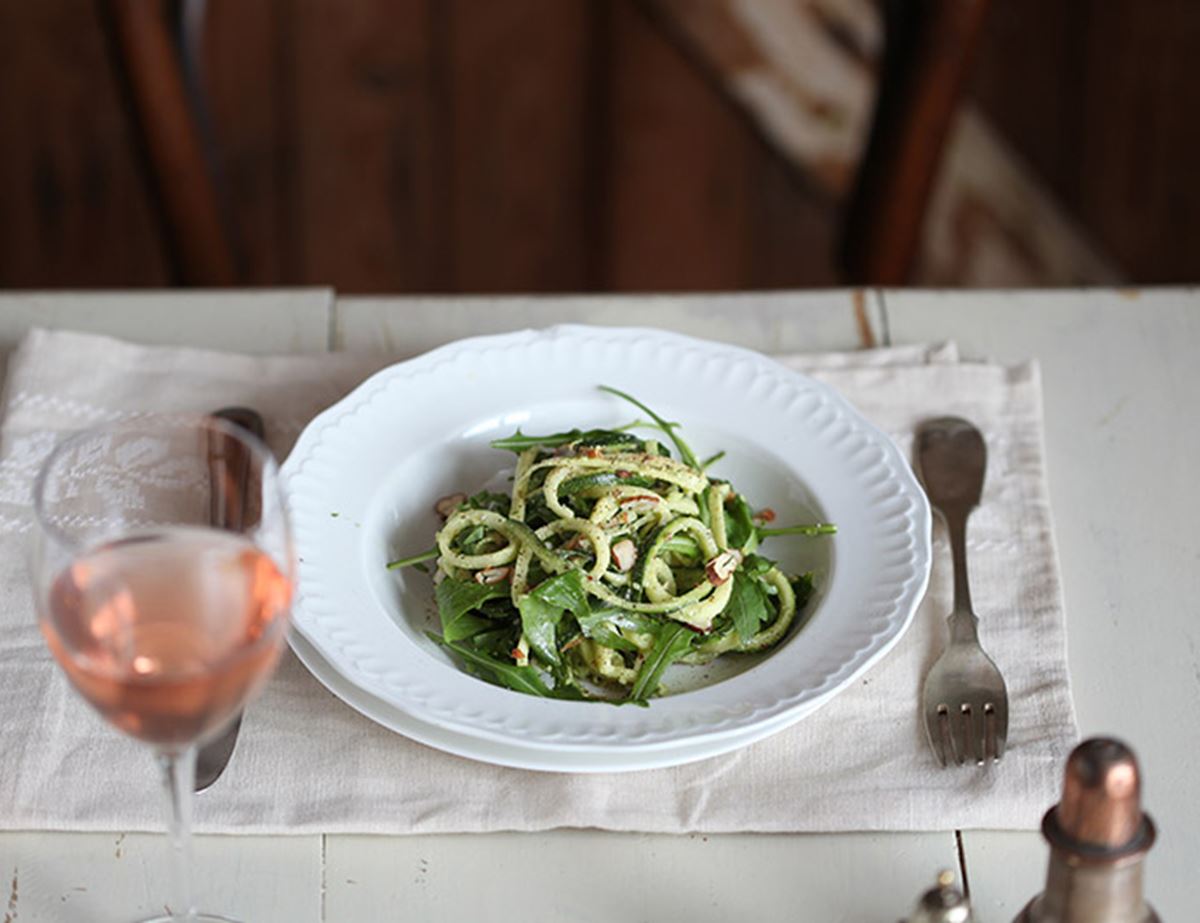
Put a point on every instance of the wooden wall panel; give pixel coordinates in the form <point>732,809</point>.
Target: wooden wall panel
<point>364,123</point>
<point>521,132</point>
<point>74,208</point>
<point>247,66</point>
<point>426,145</point>
<point>793,230</point>
<point>1139,186</point>
<point>677,211</point>
<point>547,145</point>
<point>693,191</point>
<point>1101,98</point>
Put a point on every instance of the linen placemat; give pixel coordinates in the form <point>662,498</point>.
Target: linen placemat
<point>306,762</point>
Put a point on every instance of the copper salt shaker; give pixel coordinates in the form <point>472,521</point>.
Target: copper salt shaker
<point>1098,840</point>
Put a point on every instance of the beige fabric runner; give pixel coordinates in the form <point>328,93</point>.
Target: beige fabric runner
<point>308,763</point>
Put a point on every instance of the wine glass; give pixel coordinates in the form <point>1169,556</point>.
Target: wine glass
<point>162,571</point>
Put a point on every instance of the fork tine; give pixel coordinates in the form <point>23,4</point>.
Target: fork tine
<point>997,731</point>
<point>980,715</point>
<point>939,733</point>
<point>995,744</point>
<point>964,741</point>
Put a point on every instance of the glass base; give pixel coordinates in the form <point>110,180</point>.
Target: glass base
<point>195,918</point>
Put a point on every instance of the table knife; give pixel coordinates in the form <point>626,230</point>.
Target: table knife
<point>229,470</point>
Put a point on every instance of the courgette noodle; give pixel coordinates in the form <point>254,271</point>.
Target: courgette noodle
<point>574,584</point>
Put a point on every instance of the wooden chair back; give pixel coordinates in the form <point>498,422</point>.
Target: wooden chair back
<point>928,49</point>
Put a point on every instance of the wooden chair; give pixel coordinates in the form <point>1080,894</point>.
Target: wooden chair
<point>928,49</point>
<point>143,34</point>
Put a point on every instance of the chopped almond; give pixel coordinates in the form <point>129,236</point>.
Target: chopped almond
<point>493,575</point>
<point>639,503</point>
<point>449,504</point>
<point>624,554</point>
<point>721,568</point>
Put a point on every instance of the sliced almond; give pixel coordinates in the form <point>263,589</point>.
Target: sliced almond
<point>721,568</point>
<point>640,503</point>
<point>624,554</point>
<point>449,504</point>
<point>493,575</point>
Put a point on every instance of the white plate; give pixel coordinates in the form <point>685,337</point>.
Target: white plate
<point>364,474</point>
<point>612,759</point>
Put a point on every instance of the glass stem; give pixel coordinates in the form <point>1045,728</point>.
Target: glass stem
<point>179,775</point>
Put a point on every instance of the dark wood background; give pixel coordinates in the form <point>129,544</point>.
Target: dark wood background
<point>548,145</point>
<point>1102,98</point>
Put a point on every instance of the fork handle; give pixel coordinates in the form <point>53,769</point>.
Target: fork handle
<point>964,627</point>
<point>963,622</point>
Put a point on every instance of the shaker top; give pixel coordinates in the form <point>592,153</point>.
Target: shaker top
<point>1100,815</point>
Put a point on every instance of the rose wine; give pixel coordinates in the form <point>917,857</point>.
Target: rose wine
<point>167,634</point>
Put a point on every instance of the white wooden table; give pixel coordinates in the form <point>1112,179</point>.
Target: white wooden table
<point>1122,385</point>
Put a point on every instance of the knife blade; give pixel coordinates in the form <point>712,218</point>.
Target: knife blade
<point>229,473</point>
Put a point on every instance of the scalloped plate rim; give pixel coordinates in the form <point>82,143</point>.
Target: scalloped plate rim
<point>911,587</point>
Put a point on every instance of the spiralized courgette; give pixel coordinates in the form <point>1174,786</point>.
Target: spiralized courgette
<point>608,561</point>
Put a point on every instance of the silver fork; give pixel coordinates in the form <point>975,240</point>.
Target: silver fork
<point>964,701</point>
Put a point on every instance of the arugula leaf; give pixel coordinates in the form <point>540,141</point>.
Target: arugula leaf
<point>602,479</point>
<point>755,565</point>
<point>803,586</point>
<point>604,626</point>
<point>675,641</point>
<point>685,452</point>
<point>566,686</point>
<point>683,545</point>
<point>456,599</point>
<point>498,642</point>
<point>602,437</point>
<point>816,528</point>
<point>518,442</point>
<point>543,607</point>
<point>488,500</point>
<point>739,524</point>
<point>414,560</point>
<point>472,540</point>
<point>748,606</point>
<point>570,691</point>
<point>604,632</point>
<point>521,679</point>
